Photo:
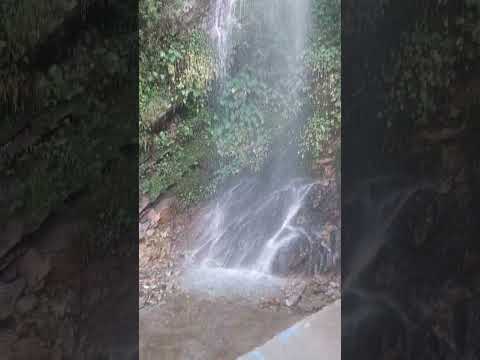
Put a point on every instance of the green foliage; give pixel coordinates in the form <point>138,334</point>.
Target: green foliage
<point>176,71</point>
<point>325,97</point>
<point>178,155</point>
<point>180,70</point>
<point>324,75</point>
<point>254,108</point>
<point>247,117</point>
<point>327,22</point>
<point>423,68</point>
<point>176,68</point>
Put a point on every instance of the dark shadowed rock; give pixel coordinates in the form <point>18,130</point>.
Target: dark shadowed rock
<point>34,267</point>
<point>59,235</point>
<point>292,257</point>
<point>9,293</point>
<point>31,348</point>
<point>8,274</point>
<point>10,236</point>
<point>26,304</point>
<point>7,339</point>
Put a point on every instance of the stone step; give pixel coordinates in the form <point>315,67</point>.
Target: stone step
<point>317,337</point>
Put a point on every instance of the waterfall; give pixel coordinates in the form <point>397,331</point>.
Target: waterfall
<point>288,18</point>
<point>256,225</point>
<point>248,228</point>
<point>223,25</point>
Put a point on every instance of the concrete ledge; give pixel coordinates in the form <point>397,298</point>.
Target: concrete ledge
<point>317,337</point>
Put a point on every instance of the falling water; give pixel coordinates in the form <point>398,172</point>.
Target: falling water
<point>256,225</point>
<point>224,23</point>
<point>287,19</point>
<point>249,228</point>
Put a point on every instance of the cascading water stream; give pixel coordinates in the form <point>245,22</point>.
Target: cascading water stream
<point>224,22</point>
<point>254,225</point>
<point>248,229</point>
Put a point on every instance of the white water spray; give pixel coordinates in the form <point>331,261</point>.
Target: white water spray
<point>255,227</point>
<point>285,18</point>
<point>223,26</point>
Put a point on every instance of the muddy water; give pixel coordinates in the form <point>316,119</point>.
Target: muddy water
<point>199,327</point>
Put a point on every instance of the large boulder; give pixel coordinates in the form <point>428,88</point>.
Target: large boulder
<point>292,258</point>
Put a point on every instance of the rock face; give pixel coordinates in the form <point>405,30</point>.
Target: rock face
<point>33,267</point>
<point>48,172</point>
<point>7,339</point>
<point>26,304</point>
<point>318,250</point>
<point>292,258</point>
<point>160,212</point>
<point>9,293</point>
<point>30,348</point>
<point>11,234</point>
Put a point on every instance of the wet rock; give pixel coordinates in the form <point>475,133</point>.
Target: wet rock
<point>326,249</point>
<point>34,268</point>
<point>9,293</point>
<point>292,258</point>
<point>26,304</point>
<point>294,294</point>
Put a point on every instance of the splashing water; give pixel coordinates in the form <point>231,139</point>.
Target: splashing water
<point>248,228</point>
<point>223,26</point>
<point>256,226</point>
<point>282,18</point>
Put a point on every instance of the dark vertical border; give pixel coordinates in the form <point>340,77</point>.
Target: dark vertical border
<point>410,255</point>
<point>69,180</point>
